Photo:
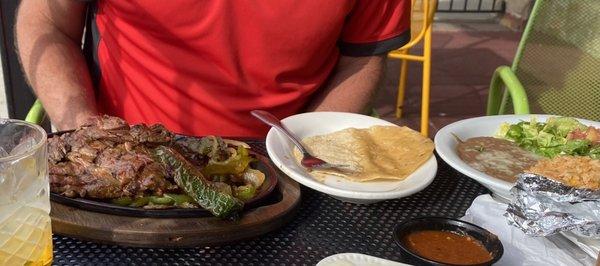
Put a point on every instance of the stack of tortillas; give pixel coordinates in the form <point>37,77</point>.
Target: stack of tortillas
<point>378,152</point>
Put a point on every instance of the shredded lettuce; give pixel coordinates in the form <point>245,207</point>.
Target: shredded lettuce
<point>576,147</point>
<point>561,126</point>
<point>595,153</point>
<point>504,127</point>
<point>549,139</point>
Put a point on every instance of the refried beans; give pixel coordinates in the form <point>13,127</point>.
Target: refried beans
<point>499,158</point>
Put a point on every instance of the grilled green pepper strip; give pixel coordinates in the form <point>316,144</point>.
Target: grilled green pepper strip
<point>122,201</point>
<point>161,200</point>
<point>190,179</point>
<point>233,165</point>
<point>180,199</point>
<point>245,193</point>
<point>139,202</point>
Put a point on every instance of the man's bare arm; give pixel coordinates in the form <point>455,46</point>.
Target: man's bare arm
<point>352,86</point>
<point>48,34</point>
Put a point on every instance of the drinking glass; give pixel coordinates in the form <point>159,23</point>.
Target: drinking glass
<point>25,231</point>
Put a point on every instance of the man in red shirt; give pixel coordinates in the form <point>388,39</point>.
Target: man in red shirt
<point>200,67</point>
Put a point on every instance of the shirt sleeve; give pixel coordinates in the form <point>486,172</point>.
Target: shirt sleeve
<point>375,27</point>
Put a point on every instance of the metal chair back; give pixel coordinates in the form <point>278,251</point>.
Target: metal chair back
<point>558,60</point>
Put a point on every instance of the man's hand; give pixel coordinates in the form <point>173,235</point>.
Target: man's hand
<point>48,34</point>
<point>352,85</point>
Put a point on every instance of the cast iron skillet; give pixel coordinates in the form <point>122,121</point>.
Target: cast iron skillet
<point>263,164</point>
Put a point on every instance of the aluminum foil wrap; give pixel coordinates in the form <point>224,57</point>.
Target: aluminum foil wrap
<point>542,207</point>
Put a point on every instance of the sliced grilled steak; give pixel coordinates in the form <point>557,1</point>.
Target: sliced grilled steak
<point>108,159</point>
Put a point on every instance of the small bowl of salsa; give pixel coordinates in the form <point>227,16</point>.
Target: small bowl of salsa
<point>446,241</point>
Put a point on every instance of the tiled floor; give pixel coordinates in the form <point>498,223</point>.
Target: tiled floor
<point>464,58</point>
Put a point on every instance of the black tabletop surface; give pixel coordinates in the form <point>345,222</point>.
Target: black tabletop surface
<point>322,227</point>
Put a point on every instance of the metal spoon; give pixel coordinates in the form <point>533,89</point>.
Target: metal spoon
<point>308,160</point>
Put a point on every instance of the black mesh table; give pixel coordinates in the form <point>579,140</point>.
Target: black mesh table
<point>322,227</point>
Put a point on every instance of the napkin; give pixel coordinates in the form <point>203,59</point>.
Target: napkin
<point>520,249</point>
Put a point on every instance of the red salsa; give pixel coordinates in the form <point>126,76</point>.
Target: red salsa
<point>447,247</point>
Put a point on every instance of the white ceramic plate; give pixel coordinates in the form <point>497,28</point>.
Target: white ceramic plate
<point>280,149</point>
<point>445,145</point>
<point>357,259</point>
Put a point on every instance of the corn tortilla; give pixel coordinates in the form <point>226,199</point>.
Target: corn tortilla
<point>378,152</point>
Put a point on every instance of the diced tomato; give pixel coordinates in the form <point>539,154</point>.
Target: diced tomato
<point>593,134</point>
<point>577,134</point>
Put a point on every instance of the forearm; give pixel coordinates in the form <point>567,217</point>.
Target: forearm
<point>53,63</point>
<point>352,85</point>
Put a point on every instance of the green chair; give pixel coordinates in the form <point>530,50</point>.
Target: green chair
<point>557,66</point>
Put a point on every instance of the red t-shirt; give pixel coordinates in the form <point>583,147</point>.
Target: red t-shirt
<point>200,67</point>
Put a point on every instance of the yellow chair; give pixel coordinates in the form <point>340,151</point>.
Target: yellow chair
<point>421,23</point>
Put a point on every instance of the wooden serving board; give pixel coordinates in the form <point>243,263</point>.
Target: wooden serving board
<point>176,232</point>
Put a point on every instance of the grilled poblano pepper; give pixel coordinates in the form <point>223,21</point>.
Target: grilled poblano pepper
<point>190,179</point>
